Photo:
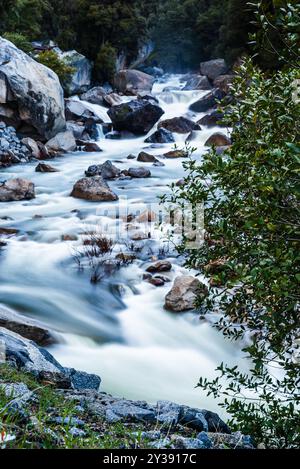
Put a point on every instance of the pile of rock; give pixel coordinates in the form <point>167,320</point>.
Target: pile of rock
<point>12,150</point>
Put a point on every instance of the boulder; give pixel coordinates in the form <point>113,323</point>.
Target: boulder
<point>185,291</point>
<point>218,139</point>
<point>27,356</point>
<point>62,142</point>
<point>94,95</point>
<point>16,189</point>
<point>79,111</point>
<point>224,82</point>
<point>139,172</point>
<point>208,101</point>
<point>33,89</point>
<point>26,327</point>
<point>112,99</point>
<point>94,189</point>
<point>176,154</point>
<point>32,147</point>
<point>77,129</point>
<point>213,68</point>
<point>133,82</point>
<point>92,147</point>
<point>180,125</point>
<point>81,76</point>
<point>161,136</point>
<point>144,157</point>
<point>197,82</point>
<point>212,119</point>
<point>160,266</point>
<point>107,170</point>
<point>45,168</point>
<point>137,116</point>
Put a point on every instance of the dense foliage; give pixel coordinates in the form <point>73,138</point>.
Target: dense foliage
<point>251,194</point>
<point>184,31</point>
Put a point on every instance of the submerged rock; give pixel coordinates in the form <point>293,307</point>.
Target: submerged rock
<point>160,266</point>
<point>94,189</point>
<point>45,168</point>
<point>107,170</point>
<point>137,116</point>
<point>139,172</point>
<point>183,294</point>
<point>144,157</point>
<point>16,189</point>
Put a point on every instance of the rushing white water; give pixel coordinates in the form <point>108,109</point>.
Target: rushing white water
<point>140,350</point>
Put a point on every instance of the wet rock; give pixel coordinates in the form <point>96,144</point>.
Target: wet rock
<point>218,139</point>
<point>208,101</point>
<point>198,82</point>
<point>133,82</point>
<point>95,95</point>
<point>26,327</point>
<point>32,90</point>
<point>62,142</point>
<point>112,99</point>
<point>139,172</point>
<point>160,266</point>
<point>77,129</point>
<point>131,157</point>
<point>176,154</point>
<point>144,157</point>
<point>8,231</point>
<point>92,147</point>
<point>45,168</point>
<point>224,82</point>
<point>156,281</point>
<point>185,291</point>
<point>213,68</point>
<point>137,116</point>
<point>212,119</point>
<point>180,125</point>
<point>32,147</point>
<point>94,189</point>
<point>79,111</point>
<point>161,136</point>
<point>109,171</point>
<point>16,189</point>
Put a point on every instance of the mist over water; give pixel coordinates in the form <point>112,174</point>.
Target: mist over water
<point>140,350</point>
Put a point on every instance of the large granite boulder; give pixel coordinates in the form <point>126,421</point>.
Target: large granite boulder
<point>94,95</point>
<point>94,189</point>
<point>133,82</point>
<point>80,79</point>
<point>213,68</point>
<point>137,116</point>
<point>79,111</point>
<point>161,136</point>
<point>16,189</point>
<point>184,293</point>
<point>32,90</point>
<point>218,139</point>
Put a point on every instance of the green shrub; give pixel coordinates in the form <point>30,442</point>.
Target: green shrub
<point>51,60</point>
<point>19,40</point>
<point>105,64</point>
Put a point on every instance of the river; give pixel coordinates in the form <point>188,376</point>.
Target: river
<point>140,350</point>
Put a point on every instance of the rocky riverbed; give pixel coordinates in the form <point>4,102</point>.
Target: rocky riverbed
<point>85,268</point>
